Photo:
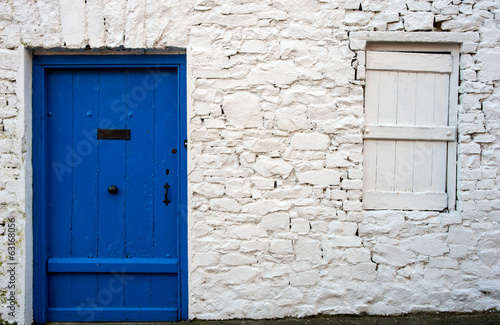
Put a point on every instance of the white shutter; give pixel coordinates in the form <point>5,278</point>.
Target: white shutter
<point>406,130</point>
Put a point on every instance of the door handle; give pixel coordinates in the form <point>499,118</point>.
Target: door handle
<point>113,189</point>
<point>166,201</point>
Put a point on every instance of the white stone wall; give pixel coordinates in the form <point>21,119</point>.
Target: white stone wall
<point>275,118</point>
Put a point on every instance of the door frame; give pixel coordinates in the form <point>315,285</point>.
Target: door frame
<point>41,64</point>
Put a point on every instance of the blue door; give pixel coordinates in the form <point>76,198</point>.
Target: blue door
<point>109,188</point>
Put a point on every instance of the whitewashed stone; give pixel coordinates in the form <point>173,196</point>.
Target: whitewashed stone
<point>238,188</point>
<point>236,259</point>
<point>242,110</point>
<point>263,183</point>
<point>281,247</point>
<point>262,207</point>
<point>345,241</point>
<point>419,5</point>
<point>208,190</point>
<point>308,278</point>
<point>300,226</point>
<point>270,167</point>
<point>464,23</point>
<point>319,177</point>
<point>489,59</point>
<point>418,21</point>
<point>254,246</point>
<point>264,145</point>
<point>253,46</point>
<point>428,246</point>
<point>260,76</point>
<point>460,236</point>
<point>279,221</point>
<point>307,250</point>
<point>225,205</point>
<point>357,255</point>
<point>205,259</point>
<point>274,270</point>
<point>392,255</point>
<point>310,141</point>
<point>279,73</point>
<point>357,18</point>
<point>240,275</point>
<point>342,228</point>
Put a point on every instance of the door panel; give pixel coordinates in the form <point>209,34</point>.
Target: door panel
<point>113,257</point>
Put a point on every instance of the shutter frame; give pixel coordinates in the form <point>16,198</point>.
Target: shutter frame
<point>419,197</point>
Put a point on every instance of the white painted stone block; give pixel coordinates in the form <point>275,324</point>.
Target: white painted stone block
<point>300,226</point>
<point>205,259</point>
<point>418,21</point>
<point>279,73</point>
<point>460,236</point>
<point>242,110</point>
<point>428,246</point>
<point>254,46</point>
<point>359,18</point>
<point>225,205</point>
<point>308,278</point>
<point>240,275</point>
<point>270,270</point>
<point>269,167</point>
<point>238,188</point>
<point>281,247</point>
<point>279,221</point>
<point>262,207</point>
<point>236,260</point>
<point>307,250</point>
<point>345,241</point>
<point>208,190</point>
<point>310,141</point>
<point>319,177</point>
<point>392,255</point>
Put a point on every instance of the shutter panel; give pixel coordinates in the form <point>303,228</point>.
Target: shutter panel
<point>406,130</point>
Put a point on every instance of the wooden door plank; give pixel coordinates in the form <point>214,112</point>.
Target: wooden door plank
<point>112,115</point>
<point>424,112</point>
<point>140,185</point>
<point>401,61</point>
<point>387,114</point>
<point>166,142</point>
<point>369,164</point>
<point>140,167</point>
<point>85,180</point>
<point>62,160</point>
<point>396,132</point>
<point>405,116</point>
<point>439,155</point>
<point>372,96</point>
<point>110,265</point>
<point>405,201</point>
<point>113,314</point>
<point>111,223</point>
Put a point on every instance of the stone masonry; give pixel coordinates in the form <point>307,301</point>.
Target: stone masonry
<point>275,111</point>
